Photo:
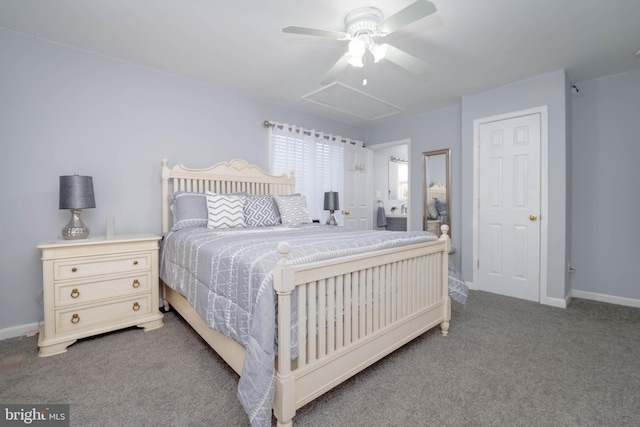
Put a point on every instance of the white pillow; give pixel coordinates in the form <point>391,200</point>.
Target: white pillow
<point>225,211</point>
<point>293,209</point>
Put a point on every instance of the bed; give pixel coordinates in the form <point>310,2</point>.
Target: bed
<point>327,313</point>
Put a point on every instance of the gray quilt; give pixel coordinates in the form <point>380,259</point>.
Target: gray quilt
<point>226,276</point>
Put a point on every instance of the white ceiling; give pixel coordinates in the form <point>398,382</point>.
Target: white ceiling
<point>470,45</point>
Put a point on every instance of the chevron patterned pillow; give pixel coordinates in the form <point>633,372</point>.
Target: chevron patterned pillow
<point>225,211</point>
<point>260,211</point>
<point>293,209</point>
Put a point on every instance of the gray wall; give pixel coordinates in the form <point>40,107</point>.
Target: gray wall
<point>65,111</point>
<point>453,128</point>
<point>427,132</point>
<point>550,90</point>
<point>605,180</point>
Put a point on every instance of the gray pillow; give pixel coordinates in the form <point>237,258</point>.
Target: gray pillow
<point>441,207</point>
<point>189,210</point>
<point>260,211</point>
<point>431,208</point>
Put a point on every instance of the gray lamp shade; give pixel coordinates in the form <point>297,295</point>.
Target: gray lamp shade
<point>76,192</point>
<point>331,201</point>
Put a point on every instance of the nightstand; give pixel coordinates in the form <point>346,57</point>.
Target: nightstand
<point>95,285</point>
<point>433,225</point>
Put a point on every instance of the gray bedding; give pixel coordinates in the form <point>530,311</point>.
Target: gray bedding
<point>225,275</point>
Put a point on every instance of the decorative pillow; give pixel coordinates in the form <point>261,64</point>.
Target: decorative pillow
<point>293,209</point>
<point>441,207</point>
<point>188,210</point>
<point>431,208</point>
<point>260,211</point>
<point>225,210</point>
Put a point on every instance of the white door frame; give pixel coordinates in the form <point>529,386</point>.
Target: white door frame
<point>544,188</point>
<point>407,142</point>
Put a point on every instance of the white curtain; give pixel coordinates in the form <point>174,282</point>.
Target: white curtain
<point>315,158</point>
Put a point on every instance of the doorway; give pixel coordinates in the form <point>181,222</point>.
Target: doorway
<point>510,194</point>
<point>391,192</point>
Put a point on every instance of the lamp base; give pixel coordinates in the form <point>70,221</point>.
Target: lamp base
<point>75,229</point>
<point>332,219</point>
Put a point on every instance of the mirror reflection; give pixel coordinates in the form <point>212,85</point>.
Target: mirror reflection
<point>398,179</point>
<point>436,190</point>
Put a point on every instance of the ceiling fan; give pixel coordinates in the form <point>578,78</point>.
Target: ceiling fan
<point>363,26</point>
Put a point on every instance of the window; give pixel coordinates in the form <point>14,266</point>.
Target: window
<point>315,159</point>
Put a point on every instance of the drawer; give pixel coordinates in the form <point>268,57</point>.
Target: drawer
<point>80,293</point>
<point>434,226</point>
<point>76,320</point>
<point>96,266</point>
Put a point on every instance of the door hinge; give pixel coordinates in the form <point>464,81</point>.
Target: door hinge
<point>478,142</point>
<point>478,203</point>
<point>478,264</point>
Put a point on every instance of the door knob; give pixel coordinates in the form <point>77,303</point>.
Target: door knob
<point>346,213</point>
<point>532,217</point>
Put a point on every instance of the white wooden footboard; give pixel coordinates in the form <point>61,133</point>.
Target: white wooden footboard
<point>351,312</point>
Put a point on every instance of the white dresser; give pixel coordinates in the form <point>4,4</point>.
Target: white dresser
<point>95,285</point>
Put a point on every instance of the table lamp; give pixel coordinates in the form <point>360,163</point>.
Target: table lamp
<point>76,193</point>
<point>331,204</point>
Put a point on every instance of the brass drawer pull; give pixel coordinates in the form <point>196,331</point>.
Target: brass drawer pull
<point>136,306</point>
<point>75,293</point>
<point>75,318</point>
<point>135,262</point>
<point>73,270</point>
<point>136,283</point>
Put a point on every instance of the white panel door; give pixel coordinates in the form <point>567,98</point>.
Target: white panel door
<point>509,207</point>
<point>357,206</point>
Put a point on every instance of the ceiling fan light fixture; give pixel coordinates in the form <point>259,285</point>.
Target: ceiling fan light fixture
<point>378,51</point>
<point>356,51</point>
<point>363,26</point>
<point>356,61</point>
<point>356,47</point>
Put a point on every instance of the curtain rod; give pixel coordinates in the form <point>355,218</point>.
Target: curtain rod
<point>269,124</point>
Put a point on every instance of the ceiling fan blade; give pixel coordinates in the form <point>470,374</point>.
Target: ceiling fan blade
<point>315,32</point>
<point>406,16</point>
<point>404,60</point>
<point>337,68</point>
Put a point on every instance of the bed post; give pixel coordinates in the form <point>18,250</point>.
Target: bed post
<point>444,326</point>
<point>284,403</point>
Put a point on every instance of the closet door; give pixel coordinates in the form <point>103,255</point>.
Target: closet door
<point>509,207</point>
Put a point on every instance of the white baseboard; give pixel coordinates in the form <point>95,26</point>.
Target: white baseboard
<point>576,293</point>
<point>630,302</point>
<point>557,302</point>
<point>19,330</point>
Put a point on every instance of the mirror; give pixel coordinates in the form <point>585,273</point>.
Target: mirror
<point>398,179</point>
<point>436,187</point>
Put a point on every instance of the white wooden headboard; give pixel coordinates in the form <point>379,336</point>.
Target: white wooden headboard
<point>222,178</point>
<point>438,191</point>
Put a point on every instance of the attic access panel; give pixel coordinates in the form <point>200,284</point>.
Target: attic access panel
<point>346,99</point>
